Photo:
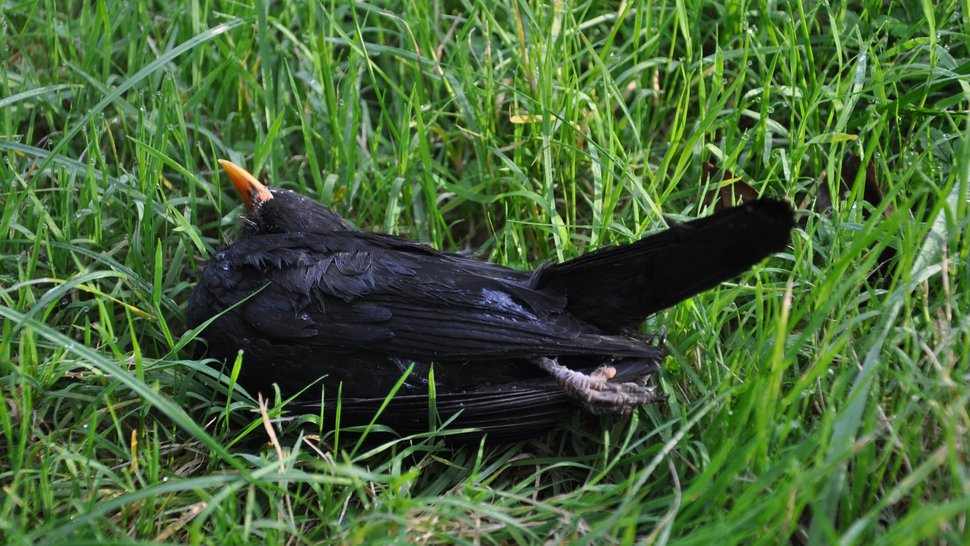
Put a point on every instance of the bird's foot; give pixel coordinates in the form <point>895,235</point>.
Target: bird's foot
<point>595,392</point>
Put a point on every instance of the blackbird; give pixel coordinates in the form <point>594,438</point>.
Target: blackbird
<point>331,315</point>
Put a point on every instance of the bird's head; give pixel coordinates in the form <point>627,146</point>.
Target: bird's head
<point>279,210</point>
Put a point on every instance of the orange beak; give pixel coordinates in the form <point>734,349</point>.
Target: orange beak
<point>250,190</point>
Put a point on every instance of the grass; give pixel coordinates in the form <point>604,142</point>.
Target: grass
<point>820,399</point>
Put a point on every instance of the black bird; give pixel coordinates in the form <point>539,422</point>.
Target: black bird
<point>510,352</point>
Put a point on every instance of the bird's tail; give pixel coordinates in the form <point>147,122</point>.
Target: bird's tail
<point>616,288</point>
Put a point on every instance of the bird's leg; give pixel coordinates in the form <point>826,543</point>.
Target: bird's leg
<point>594,391</point>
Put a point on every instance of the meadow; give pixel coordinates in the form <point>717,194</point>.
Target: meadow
<point>819,399</point>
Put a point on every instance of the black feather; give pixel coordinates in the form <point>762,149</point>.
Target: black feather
<point>358,308</point>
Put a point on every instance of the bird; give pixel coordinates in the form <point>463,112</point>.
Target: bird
<point>397,332</point>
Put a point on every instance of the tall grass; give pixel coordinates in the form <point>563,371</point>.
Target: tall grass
<point>822,398</point>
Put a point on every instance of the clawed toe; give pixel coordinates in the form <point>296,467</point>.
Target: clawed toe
<point>603,373</point>
<point>594,391</point>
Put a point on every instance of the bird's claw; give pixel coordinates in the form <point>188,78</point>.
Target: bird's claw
<point>595,392</point>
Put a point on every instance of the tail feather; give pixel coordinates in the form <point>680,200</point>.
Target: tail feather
<point>616,288</point>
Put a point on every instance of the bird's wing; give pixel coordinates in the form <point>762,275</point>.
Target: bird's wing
<point>382,294</point>
<point>509,411</point>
